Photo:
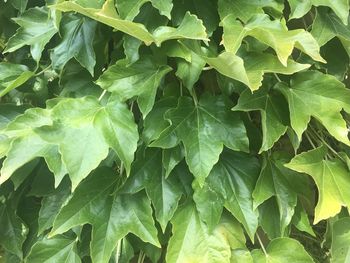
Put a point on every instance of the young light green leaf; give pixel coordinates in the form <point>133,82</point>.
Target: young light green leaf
<point>230,184</point>
<point>331,178</point>
<point>272,33</point>
<point>299,8</point>
<point>204,129</point>
<point>12,76</point>
<point>321,96</point>
<point>281,250</point>
<point>77,39</point>
<point>140,79</point>
<point>57,249</point>
<point>36,29</point>
<point>192,242</point>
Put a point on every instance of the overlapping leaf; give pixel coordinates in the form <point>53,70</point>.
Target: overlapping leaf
<point>80,131</point>
<point>190,27</point>
<point>331,178</point>
<point>36,30</point>
<point>272,33</point>
<point>230,184</point>
<point>112,216</point>
<point>204,129</point>
<point>140,79</point>
<point>192,242</point>
<point>300,8</point>
<point>313,94</point>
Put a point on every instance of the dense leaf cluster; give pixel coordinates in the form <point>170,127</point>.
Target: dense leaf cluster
<point>174,131</point>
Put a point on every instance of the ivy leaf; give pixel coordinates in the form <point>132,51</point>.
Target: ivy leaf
<point>340,248</point>
<point>12,76</point>
<point>276,180</point>
<point>21,132</point>
<point>331,178</point>
<point>147,172</point>
<point>50,206</point>
<point>190,27</point>
<point>204,129</point>
<point>327,25</point>
<point>245,10</point>
<point>192,242</point>
<point>320,96</point>
<point>230,184</point>
<point>300,8</point>
<point>282,250</point>
<point>128,10</point>
<point>77,39</point>
<point>273,113</point>
<point>57,249</point>
<point>85,130</point>
<point>140,79</point>
<point>12,231</point>
<point>202,10</point>
<point>272,33</point>
<point>112,217</point>
<point>36,30</point>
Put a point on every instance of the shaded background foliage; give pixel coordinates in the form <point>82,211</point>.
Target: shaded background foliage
<point>173,130</point>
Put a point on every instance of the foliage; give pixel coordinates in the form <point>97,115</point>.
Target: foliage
<point>174,131</point>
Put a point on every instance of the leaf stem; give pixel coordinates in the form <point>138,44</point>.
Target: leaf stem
<point>326,143</point>
<point>119,246</point>
<point>141,258</point>
<point>207,68</point>
<point>309,139</point>
<point>194,95</point>
<point>261,244</point>
<point>102,95</point>
<point>43,71</point>
<point>277,77</point>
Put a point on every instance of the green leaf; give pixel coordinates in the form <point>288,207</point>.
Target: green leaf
<point>12,231</point>
<point>275,180</point>
<point>327,26</point>
<point>50,206</point>
<point>191,241</point>
<point>331,178</point>
<point>340,250</point>
<point>245,10</point>
<point>299,8</point>
<point>128,10</point>
<point>282,250</point>
<point>272,33</point>
<point>230,184</point>
<point>190,27</point>
<point>140,79</point>
<point>36,29</point>
<point>22,133</point>
<point>12,76</point>
<point>273,110</point>
<point>57,249</point>
<point>203,129</point>
<point>77,39</point>
<point>78,130</point>
<point>111,216</point>
<point>147,172</point>
<point>313,94</point>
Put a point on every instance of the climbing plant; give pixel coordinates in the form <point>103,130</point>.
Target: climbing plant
<point>180,131</point>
